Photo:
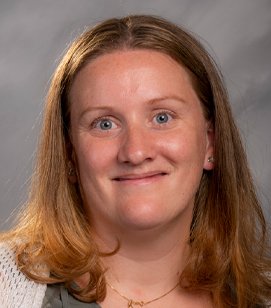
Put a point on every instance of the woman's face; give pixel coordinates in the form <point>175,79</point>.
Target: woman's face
<point>140,140</point>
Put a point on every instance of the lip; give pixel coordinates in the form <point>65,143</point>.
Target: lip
<point>140,178</point>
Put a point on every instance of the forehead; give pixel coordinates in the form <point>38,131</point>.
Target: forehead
<point>135,57</point>
<point>130,68</point>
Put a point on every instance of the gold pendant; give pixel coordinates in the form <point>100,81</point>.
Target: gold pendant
<point>131,303</point>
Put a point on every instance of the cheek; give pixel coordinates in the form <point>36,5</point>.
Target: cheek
<point>94,157</point>
<point>184,146</point>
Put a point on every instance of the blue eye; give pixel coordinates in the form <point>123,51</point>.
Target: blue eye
<point>162,118</point>
<point>105,124</point>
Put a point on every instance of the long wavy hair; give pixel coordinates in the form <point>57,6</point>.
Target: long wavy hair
<point>228,235</point>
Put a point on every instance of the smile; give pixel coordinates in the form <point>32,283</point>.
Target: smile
<point>144,178</point>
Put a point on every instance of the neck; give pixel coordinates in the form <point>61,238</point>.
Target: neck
<point>148,265</point>
<point>149,262</point>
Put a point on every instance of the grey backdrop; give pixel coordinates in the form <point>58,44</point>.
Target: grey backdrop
<point>33,35</point>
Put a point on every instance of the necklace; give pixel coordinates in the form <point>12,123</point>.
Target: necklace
<point>132,303</point>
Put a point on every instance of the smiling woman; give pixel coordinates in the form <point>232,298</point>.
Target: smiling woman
<point>142,194</point>
<point>138,128</point>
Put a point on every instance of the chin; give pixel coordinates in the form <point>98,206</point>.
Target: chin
<point>141,225</point>
<point>143,217</point>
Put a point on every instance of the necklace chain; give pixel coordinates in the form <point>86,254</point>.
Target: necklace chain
<point>132,303</point>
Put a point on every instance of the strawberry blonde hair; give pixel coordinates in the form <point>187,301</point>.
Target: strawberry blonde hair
<point>228,232</point>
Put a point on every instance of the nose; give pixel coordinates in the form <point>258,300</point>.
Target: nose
<point>136,146</point>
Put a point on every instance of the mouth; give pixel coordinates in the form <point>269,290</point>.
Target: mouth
<point>140,178</point>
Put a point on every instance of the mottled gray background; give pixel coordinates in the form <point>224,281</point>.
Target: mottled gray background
<point>33,35</point>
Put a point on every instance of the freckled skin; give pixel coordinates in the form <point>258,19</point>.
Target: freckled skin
<point>136,171</point>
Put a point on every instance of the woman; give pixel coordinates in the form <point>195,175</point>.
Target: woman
<point>141,195</point>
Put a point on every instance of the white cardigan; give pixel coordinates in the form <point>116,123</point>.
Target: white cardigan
<point>16,290</point>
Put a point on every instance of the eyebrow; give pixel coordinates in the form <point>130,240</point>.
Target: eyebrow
<point>152,101</point>
<point>93,108</point>
<point>167,97</point>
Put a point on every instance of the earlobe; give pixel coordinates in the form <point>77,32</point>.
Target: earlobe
<point>71,166</point>
<point>209,165</point>
<point>209,162</point>
<point>72,176</point>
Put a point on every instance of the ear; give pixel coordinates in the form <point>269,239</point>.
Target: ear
<point>209,153</point>
<point>71,166</point>
<point>72,174</point>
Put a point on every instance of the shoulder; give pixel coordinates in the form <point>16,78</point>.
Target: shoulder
<point>58,296</point>
<point>16,290</point>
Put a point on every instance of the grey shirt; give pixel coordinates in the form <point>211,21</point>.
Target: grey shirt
<point>57,296</point>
